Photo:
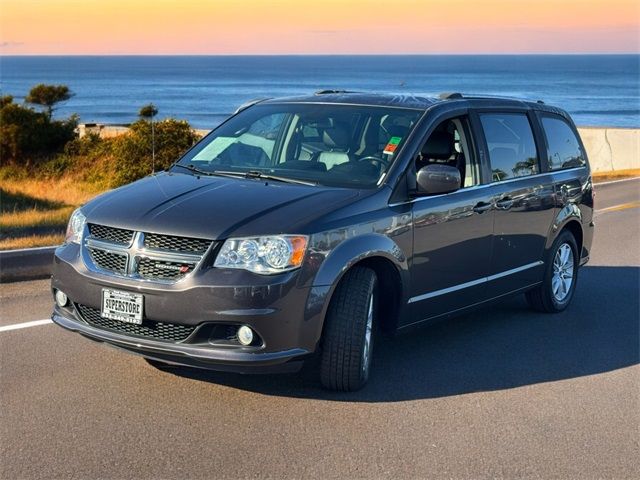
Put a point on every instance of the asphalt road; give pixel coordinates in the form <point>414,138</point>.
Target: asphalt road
<point>503,392</point>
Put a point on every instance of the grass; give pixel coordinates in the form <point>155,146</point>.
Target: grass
<point>617,175</point>
<point>34,212</point>
<point>31,241</point>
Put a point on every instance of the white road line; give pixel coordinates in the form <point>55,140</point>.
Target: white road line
<point>17,326</point>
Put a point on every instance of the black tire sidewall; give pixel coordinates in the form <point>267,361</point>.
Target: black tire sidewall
<point>342,368</point>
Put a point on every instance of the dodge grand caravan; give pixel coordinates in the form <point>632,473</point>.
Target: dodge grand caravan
<point>307,225</point>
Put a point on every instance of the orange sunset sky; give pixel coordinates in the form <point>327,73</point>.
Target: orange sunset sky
<point>322,27</point>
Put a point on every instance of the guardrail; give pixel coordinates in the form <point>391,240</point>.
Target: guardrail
<point>25,264</point>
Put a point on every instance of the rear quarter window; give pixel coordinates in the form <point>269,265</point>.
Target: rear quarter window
<point>512,148</point>
<point>563,147</point>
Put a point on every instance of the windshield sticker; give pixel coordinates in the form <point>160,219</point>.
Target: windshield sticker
<point>392,145</point>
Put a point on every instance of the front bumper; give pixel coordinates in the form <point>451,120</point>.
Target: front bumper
<point>287,317</point>
<point>185,354</point>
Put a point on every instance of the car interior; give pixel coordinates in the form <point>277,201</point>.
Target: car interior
<point>448,145</point>
<point>353,146</point>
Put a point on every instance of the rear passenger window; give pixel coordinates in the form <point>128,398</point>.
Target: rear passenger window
<point>563,148</point>
<point>512,149</point>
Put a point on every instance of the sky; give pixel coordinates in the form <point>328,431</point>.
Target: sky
<point>210,27</point>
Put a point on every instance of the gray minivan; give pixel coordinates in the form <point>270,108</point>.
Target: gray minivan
<point>308,225</point>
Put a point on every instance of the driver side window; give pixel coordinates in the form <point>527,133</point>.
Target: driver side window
<point>449,145</point>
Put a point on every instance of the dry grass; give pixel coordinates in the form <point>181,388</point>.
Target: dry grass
<point>35,218</point>
<point>34,212</point>
<point>65,191</point>
<point>617,175</point>
<point>32,241</point>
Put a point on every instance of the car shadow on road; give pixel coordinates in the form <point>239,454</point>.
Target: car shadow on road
<point>499,347</point>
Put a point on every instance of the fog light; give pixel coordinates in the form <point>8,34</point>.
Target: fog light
<point>245,335</point>
<point>61,298</point>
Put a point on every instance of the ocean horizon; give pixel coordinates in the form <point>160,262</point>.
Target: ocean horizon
<point>597,90</point>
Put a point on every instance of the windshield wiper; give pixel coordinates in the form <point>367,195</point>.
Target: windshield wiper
<point>264,176</point>
<point>193,169</point>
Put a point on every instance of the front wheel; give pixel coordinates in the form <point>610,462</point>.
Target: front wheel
<point>560,277</point>
<point>349,327</point>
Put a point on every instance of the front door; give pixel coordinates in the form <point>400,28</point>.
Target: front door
<point>452,232</point>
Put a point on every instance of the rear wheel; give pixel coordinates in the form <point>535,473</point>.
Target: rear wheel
<point>349,331</point>
<point>560,276</point>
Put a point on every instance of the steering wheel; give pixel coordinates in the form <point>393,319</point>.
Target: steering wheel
<point>377,162</point>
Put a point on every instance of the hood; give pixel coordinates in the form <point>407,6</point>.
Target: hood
<point>214,207</point>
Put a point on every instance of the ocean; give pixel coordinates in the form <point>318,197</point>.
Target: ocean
<point>598,90</point>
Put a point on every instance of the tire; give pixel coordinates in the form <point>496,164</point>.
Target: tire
<point>349,331</point>
<point>554,294</point>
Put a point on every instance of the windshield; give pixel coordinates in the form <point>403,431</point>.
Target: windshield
<point>327,144</point>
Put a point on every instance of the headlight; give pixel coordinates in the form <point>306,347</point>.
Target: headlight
<point>266,255</point>
<point>75,227</point>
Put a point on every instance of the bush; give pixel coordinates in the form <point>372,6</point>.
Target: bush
<point>27,136</point>
<point>131,152</point>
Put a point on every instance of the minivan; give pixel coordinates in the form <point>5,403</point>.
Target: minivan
<point>304,227</point>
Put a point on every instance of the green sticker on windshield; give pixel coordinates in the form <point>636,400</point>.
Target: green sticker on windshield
<point>395,140</point>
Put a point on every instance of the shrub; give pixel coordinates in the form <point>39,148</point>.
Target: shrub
<point>131,152</point>
<point>27,136</point>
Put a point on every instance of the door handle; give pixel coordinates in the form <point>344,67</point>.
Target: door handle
<point>504,203</point>
<point>482,207</point>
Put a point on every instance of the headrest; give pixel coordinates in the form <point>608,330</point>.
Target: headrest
<point>336,136</point>
<point>439,145</point>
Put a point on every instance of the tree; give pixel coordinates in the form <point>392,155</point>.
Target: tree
<point>5,100</point>
<point>27,136</point>
<point>148,112</point>
<point>48,95</point>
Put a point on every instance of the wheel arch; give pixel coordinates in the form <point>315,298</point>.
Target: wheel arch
<point>382,255</point>
<point>572,224</point>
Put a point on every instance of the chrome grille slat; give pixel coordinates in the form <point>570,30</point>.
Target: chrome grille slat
<point>111,234</point>
<point>169,332</point>
<point>114,262</point>
<point>178,244</point>
<point>144,256</point>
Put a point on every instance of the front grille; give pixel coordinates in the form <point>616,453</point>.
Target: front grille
<point>176,244</point>
<point>111,234</point>
<point>158,269</point>
<point>168,332</point>
<point>114,262</point>
<point>148,256</point>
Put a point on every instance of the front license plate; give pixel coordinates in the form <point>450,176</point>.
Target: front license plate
<point>123,306</point>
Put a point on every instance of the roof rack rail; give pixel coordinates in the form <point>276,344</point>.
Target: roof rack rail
<point>450,96</point>
<point>329,91</point>
<point>458,96</point>
<point>250,103</point>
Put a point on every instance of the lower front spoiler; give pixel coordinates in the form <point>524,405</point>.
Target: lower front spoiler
<point>210,358</point>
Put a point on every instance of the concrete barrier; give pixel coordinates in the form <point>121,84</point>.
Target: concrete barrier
<point>611,149</point>
<point>25,264</point>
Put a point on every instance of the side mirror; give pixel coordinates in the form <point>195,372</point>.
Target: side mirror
<point>435,178</point>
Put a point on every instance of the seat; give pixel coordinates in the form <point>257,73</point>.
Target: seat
<point>438,147</point>
<point>336,141</point>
